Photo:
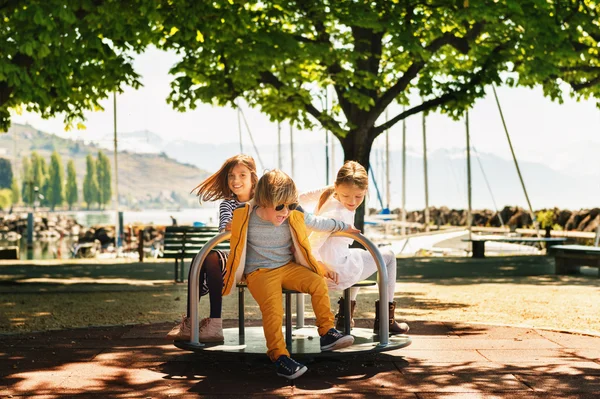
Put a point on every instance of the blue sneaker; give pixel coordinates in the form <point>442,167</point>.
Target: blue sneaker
<point>289,368</point>
<point>334,339</point>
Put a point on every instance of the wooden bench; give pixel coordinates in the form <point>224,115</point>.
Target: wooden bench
<point>184,242</point>
<point>569,258</point>
<point>478,242</point>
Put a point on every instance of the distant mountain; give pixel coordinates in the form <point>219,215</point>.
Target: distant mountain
<point>446,174</point>
<point>142,141</point>
<point>151,166</point>
<point>145,179</point>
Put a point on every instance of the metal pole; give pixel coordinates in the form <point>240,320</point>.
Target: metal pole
<point>469,222</point>
<point>332,156</point>
<point>118,239</point>
<point>512,151</point>
<point>251,138</point>
<point>597,240</point>
<point>292,148</point>
<point>279,145</point>
<point>299,297</point>
<point>426,182</point>
<point>326,158</point>
<point>388,194</point>
<point>403,219</point>
<point>239,118</point>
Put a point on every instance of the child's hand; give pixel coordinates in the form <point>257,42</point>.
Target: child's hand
<point>352,229</point>
<point>333,276</point>
<point>329,273</point>
<point>228,227</point>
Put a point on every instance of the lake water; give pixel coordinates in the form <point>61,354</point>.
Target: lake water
<point>207,214</point>
<point>61,249</point>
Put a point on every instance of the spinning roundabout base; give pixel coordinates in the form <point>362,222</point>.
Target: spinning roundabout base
<point>305,342</point>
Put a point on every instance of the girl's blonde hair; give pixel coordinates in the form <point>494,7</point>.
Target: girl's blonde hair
<point>350,173</point>
<point>275,188</point>
<point>216,186</point>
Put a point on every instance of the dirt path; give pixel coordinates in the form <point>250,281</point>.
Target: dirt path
<point>569,303</point>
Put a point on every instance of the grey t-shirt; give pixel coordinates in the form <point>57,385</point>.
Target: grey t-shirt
<point>270,246</point>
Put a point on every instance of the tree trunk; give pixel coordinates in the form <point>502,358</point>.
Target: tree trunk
<point>357,147</point>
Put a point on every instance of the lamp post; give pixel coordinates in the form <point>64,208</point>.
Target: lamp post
<point>34,199</point>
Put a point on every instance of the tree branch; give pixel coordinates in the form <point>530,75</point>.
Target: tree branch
<point>586,85</point>
<point>324,119</point>
<point>460,43</point>
<point>477,80</point>
<point>5,92</point>
<point>393,92</point>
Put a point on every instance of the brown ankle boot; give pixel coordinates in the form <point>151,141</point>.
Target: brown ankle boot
<point>339,317</point>
<point>395,328</point>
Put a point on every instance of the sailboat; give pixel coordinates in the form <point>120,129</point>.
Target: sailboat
<point>448,241</point>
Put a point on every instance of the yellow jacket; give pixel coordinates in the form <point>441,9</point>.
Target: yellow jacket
<point>234,269</point>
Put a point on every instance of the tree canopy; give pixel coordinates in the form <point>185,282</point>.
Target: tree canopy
<point>281,56</point>
<point>61,58</point>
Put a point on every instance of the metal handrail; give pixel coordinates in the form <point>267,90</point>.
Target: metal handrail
<point>382,279</point>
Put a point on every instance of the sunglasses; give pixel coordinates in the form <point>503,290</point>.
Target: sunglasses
<point>291,207</point>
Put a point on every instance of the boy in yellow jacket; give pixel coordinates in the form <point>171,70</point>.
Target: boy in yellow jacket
<point>270,248</point>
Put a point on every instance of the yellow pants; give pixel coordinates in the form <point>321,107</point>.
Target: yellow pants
<point>265,285</point>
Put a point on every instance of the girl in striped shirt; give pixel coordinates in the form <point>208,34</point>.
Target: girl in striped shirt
<point>233,183</point>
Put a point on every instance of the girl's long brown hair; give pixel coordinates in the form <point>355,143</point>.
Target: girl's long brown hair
<point>216,186</point>
<point>350,173</point>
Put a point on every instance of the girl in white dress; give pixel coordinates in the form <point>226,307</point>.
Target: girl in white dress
<point>340,202</point>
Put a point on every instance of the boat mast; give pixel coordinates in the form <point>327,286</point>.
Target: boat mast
<point>239,118</point>
<point>426,183</point>
<point>512,151</point>
<point>118,239</point>
<point>279,145</point>
<point>469,211</point>
<point>326,140</point>
<point>403,214</point>
<point>292,148</point>
<point>388,194</point>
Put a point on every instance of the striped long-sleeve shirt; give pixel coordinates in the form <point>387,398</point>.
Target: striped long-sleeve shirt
<point>226,212</point>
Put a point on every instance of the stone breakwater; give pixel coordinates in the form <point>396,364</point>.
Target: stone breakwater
<point>582,220</point>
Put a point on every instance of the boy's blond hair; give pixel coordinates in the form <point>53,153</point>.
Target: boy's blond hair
<point>275,188</point>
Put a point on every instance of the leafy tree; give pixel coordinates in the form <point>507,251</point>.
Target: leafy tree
<point>63,57</point>
<point>5,198</point>
<point>6,173</point>
<point>90,182</point>
<point>38,170</point>
<point>16,194</point>
<point>281,56</point>
<point>71,194</point>
<point>55,193</point>
<point>104,178</point>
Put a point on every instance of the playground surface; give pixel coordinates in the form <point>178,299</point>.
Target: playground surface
<point>445,360</point>
<point>495,328</point>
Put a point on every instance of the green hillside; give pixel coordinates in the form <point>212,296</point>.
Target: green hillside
<point>145,180</point>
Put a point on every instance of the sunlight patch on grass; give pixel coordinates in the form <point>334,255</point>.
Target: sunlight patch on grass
<point>40,314</point>
<point>89,280</point>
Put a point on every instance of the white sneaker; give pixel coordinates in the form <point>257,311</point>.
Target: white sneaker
<point>181,332</point>
<point>211,330</point>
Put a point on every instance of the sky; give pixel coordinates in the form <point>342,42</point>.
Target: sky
<point>565,137</point>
